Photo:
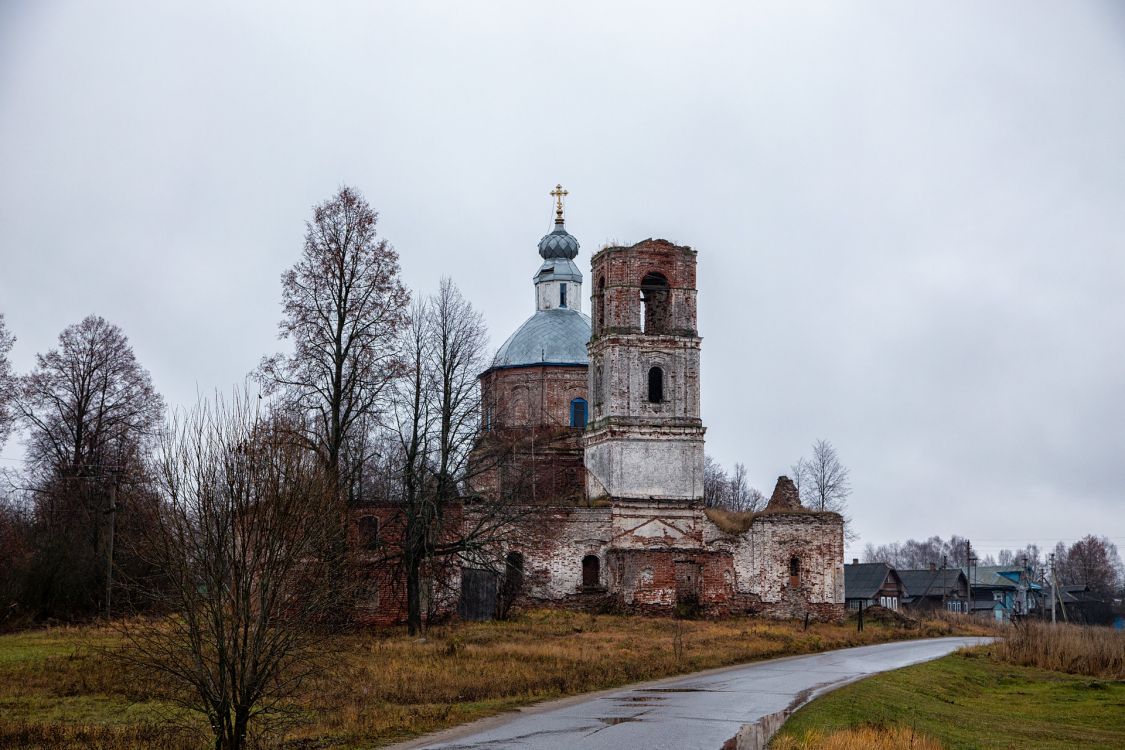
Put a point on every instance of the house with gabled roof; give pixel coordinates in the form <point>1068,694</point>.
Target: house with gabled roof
<point>935,589</point>
<point>870,584</point>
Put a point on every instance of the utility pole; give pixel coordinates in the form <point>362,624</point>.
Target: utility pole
<point>969,576</point>
<point>111,512</point>
<point>1054,588</point>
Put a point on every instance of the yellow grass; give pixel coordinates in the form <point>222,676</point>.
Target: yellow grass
<point>1075,649</point>
<point>63,688</point>
<point>859,738</point>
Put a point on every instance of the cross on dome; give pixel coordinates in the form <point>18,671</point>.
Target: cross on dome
<point>558,194</point>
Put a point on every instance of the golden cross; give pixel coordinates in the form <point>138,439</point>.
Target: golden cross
<point>558,194</point>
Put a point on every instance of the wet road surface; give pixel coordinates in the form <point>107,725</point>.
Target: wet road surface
<point>706,710</point>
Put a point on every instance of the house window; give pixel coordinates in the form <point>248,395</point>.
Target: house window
<point>655,385</point>
<point>368,532</point>
<point>794,572</point>
<point>578,413</point>
<point>591,571</point>
<point>562,295</point>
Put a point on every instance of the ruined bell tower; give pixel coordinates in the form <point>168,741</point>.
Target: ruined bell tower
<point>645,437</point>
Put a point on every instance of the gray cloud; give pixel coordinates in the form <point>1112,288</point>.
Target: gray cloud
<point>909,217</point>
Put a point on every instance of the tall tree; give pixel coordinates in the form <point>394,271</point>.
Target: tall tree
<point>7,381</point>
<point>90,412</point>
<point>240,540</point>
<point>437,409</point>
<point>343,307</point>
<point>1093,562</point>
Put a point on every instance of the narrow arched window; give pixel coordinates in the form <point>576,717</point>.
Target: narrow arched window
<point>562,295</point>
<point>591,570</point>
<point>578,413</point>
<point>655,385</point>
<point>794,571</point>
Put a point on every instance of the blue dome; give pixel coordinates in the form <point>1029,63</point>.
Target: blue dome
<point>556,337</point>
<point>558,244</point>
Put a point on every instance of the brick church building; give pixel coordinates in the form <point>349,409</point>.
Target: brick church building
<point>606,409</point>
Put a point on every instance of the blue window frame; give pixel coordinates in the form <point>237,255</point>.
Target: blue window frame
<point>578,413</point>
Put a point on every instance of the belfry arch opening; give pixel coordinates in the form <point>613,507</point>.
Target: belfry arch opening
<point>655,304</point>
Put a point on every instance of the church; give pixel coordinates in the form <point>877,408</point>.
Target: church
<point>605,409</point>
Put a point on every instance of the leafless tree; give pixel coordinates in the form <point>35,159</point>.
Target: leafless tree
<point>1094,563</point>
<point>240,540</point>
<point>716,484</point>
<point>7,382</point>
<point>919,554</point>
<point>824,479</point>
<point>437,410</point>
<point>731,491</point>
<point>90,412</point>
<point>344,306</point>
<point>743,497</point>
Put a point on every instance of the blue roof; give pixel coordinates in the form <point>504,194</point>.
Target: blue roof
<point>557,336</point>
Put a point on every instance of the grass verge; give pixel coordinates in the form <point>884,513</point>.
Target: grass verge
<point>62,687</point>
<point>971,699</point>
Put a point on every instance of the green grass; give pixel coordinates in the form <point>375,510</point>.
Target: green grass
<point>969,700</point>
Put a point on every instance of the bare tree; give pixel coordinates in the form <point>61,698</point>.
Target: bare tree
<point>824,479</point>
<point>437,409</point>
<point>1093,562</point>
<point>239,539</point>
<point>741,496</point>
<point>716,483</point>
<point>731,491</point>
<point>90,413</point>
<point>7,382</point>
<point>344,306</point>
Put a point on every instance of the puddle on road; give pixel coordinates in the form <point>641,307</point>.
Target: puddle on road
<point>678,690</point>
<point>615,720</point>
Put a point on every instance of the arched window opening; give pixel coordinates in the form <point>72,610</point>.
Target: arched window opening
<point>578,413</point>
<point>794,571</point>
<point>591,571</point>
<point>655,313</point>
<point>368,532</point>
<point>655,385</point>
<point>598,385</point>
<point>562,295</point>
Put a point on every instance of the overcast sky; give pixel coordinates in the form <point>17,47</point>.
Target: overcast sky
<point>910,217</point>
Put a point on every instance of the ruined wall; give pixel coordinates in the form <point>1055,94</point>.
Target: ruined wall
<point>554,542</point>
<point>762,558</point>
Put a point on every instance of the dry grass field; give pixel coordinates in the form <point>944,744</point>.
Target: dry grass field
<point>63,687</point>
<point>1074,649</point>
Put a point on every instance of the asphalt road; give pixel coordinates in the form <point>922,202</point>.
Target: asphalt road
<point>729,708</point>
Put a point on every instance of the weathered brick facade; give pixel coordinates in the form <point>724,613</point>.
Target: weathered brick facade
<point>614,513</point>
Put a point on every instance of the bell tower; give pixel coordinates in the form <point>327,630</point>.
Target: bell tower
<point>645,437</point>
